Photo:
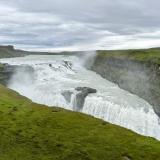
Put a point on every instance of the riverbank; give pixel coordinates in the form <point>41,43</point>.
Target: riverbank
<point>32,131</point>
<point>137,71</point>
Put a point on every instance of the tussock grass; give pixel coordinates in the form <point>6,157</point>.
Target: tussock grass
<point>144,55</point>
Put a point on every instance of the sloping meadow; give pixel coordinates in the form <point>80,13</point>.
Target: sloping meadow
<point>32,131</point>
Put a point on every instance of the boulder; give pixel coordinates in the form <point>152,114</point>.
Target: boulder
<point>80,94</point>
<point>67,64</point>
<point>86,90</point>
<point>83,92</point>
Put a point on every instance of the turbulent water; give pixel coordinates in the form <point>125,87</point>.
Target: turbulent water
<point>47,77</point>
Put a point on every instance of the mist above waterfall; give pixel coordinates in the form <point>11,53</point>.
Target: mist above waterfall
<point>23,74</point>
<point>87,58</point>
<point>45,79</point>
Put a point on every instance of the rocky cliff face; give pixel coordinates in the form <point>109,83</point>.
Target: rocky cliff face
<point>140,78</point>
<point>6,72</point>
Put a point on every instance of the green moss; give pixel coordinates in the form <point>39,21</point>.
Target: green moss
<point>1,66</point>
<point>145,55</point>
<point>29,131</point>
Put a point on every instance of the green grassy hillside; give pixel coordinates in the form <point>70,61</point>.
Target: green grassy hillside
<point>29,131</point>
<point>144,55</point>
<point>9,51</point>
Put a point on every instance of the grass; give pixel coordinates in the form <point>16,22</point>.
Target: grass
<point>9,51</point>
<point>1,66</point>
<point>143,55</point>
<point>29,131</point>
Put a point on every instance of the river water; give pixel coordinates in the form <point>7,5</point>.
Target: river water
<point>48,76</point>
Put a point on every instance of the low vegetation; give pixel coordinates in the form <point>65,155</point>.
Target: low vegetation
<point>144,55</point>
<point>137,71</point>
<point>29,131</point>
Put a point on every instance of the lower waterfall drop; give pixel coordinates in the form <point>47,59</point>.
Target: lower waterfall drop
<point>141,120</point>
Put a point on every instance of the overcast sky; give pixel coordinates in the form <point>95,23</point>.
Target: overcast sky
<point>80,24</point>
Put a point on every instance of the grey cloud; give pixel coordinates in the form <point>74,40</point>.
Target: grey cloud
<point>83,23</point>
<point>97,11</point>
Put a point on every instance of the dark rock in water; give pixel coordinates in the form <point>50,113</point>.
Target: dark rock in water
<point>79,99</point>
<point>81,95</point>
<point>67,95</point>
<point>86,89</point>
<point>68,64</point>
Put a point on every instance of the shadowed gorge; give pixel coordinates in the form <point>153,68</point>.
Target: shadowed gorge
<point>137,71</point>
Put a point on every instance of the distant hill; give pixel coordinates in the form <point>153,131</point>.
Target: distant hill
<point>9,51</point>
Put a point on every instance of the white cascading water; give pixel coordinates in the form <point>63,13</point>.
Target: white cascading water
<point>55,74</point>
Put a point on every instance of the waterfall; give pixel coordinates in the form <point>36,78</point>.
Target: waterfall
<point>141,120</point>
<point>53,81</point>
<point>73,101</point>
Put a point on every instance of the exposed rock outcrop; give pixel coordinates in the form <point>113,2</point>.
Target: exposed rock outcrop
<point>6,72</point>
<point>140,78</point>
<point>79,94</point>
<point>68,64</point>
<point>83,92</point>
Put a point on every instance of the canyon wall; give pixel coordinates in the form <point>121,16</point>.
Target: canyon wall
<point>138,77</point>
